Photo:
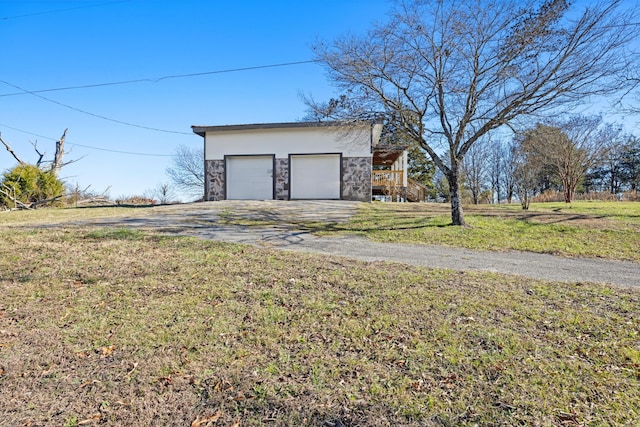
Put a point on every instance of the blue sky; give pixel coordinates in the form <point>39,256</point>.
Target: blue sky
<point>50,44</point>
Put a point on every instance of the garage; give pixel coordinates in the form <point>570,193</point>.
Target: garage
<point>293,160</point>
<point>315,176</point>
<point>249,177</point>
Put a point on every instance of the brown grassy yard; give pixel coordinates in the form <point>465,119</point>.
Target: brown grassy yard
<point>117,327</point>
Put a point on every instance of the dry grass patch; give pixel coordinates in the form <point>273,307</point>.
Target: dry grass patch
<point>63,215</point>
<point>118,327</point>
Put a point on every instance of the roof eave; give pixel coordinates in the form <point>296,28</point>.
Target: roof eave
<point>202,130</point>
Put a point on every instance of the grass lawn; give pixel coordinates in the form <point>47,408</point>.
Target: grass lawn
<point>608,230</point>
<point>118,327</point>
<point>58,215</point>
<point>586,229</point>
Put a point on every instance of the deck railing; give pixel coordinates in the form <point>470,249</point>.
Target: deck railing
<point>384,178</point>
<point>416,192</point>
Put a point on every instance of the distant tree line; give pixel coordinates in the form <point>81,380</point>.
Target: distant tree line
<point>580,155</point>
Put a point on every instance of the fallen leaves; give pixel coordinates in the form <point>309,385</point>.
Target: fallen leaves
<point>90,382</point>
<point>206,420</point>
<point>7,341</point>
<point>106,351</point>
<point>358,340</point>
<point>92,419</point>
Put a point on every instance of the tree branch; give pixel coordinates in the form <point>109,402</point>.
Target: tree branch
<point>10,150</point>
<point>40,155</point>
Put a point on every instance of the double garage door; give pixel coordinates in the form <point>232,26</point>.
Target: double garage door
<point>311,176</point>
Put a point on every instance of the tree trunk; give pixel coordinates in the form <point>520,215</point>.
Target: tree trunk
<point>569,189</point>
<point>568,195</point>
<point>56,164</point>
<point>457,216</point>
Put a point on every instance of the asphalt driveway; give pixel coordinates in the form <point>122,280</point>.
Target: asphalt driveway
<point>275,224</point>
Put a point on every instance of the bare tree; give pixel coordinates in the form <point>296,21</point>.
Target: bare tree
<point>187,170</point>
<point>496,171</point>
<point>526,171</point>
<point>509,164</point>
<point>163,193</point>
<point>35,184</point>
<point>449,73</point>
<point>501,170</point>
<point>56,163</point>
<point>569,149</point>
<point>475,168</point>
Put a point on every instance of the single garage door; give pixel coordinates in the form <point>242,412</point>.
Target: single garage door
<point>249,177</point>
<point>314,176</point>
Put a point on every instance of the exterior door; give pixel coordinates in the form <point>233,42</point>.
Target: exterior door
<point>314,176</point>
<point>249,177</point>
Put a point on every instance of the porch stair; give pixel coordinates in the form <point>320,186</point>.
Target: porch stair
<point>415,191</point>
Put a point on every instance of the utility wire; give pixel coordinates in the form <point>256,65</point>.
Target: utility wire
<point>159,79</point>
<point>87,146</point>
<point>95,115</point>
<point>154,80</point>
<point>5,18</point>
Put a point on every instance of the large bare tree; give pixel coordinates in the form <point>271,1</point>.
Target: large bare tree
<point>448,72</point>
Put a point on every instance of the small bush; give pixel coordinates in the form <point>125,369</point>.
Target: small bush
<point>135,201</point>
<point>28,184</point>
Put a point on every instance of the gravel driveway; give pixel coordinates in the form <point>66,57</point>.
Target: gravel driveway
<point>207,220</point>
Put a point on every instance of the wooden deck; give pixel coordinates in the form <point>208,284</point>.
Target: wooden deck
<point>390,183</point>
<point>387,178</point>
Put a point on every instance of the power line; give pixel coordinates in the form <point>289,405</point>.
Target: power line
<point>87,146</point>
<point>122,152</point>
<point>159,79</point>
<point>95,115</point>
<point>154,80</point>
<point>5,18</point>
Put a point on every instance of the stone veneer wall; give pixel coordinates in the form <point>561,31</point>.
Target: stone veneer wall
<point>356,178</point>
<point>282,179</point>
<point>215,178</point>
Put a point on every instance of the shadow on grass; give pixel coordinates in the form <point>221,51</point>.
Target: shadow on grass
<point>289,220</point>
<point>556,218</point>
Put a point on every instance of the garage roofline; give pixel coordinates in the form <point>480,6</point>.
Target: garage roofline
<point>202,130</point>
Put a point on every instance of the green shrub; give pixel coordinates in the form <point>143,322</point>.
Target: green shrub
<point>27,184</point>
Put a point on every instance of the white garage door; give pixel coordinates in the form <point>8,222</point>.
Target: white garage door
<point>314,176</point>
<point>249,177</point>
